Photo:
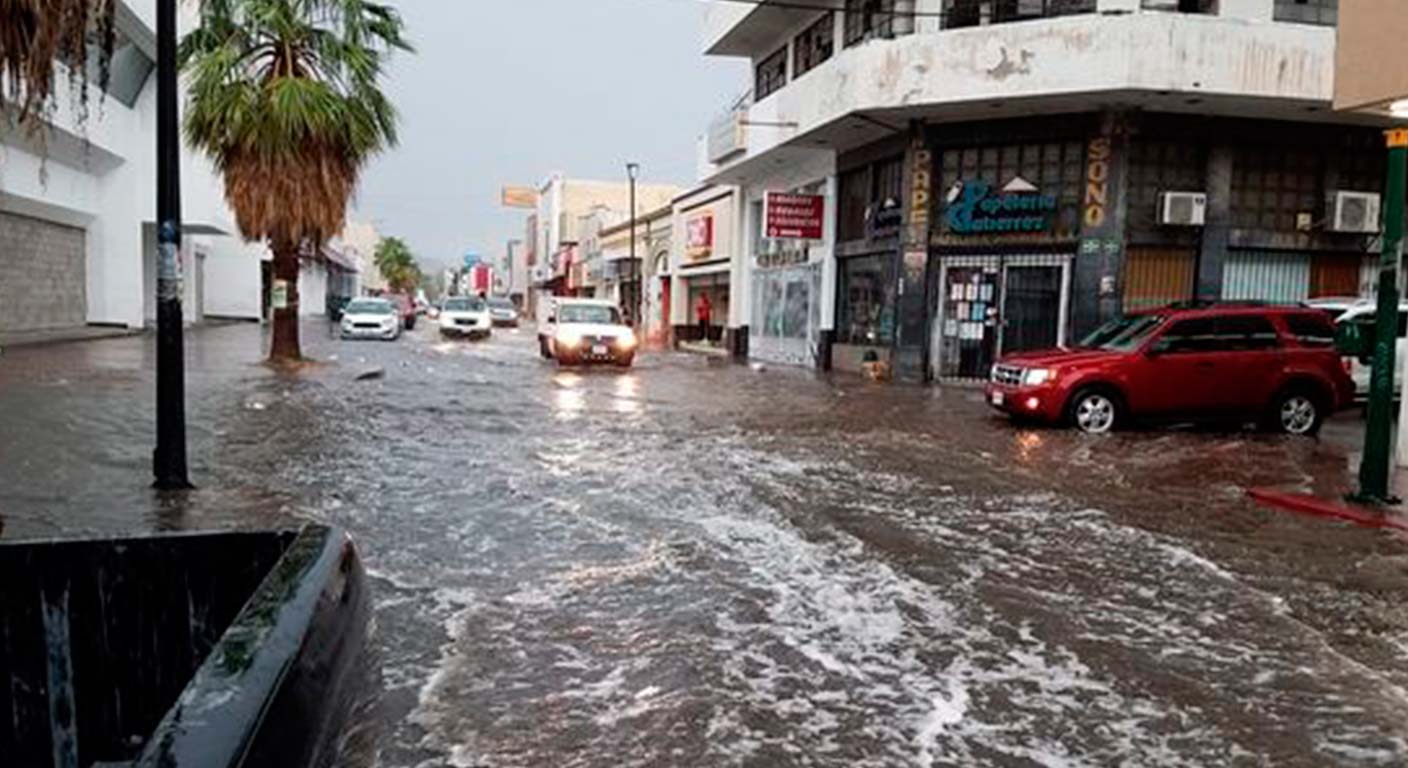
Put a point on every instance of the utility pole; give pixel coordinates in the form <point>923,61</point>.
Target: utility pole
<point>632,172</point>
<point>169,460</point>
<point>1374,469</point>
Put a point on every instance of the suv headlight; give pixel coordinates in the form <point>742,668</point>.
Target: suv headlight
<point>1035,377</point>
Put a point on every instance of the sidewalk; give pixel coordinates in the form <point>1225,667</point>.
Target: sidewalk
<point>64,335</point>
<point>699,348</point>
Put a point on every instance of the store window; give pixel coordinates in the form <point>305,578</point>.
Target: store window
<point>771,75</point>
<point>1162,166</point>
<point>870,19</point>
<point>1321,12</point>
<point>865,294</point>
<point>1181,6</point>
<point>855,196</point>
<point>1271,185</point>
<point>815,45</point>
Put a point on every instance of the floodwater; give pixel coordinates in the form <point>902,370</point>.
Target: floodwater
<point>701,564</point>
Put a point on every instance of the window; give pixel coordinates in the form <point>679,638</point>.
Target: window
<point>1270,185</point>
<point>869,19</point>
<point>1322,12</point>
<point>855,196</point>
<point>1311,330</point>
<point>1055,168</point>
<point>815,45</point>
<point>1181,6</point>
<point>889,182</point>
<point>1368,320</point>
<point>1196,335</point>
<point>772,75</point>
<point>1243,333</point>
<point>973,13</point>
<point>866,301</point>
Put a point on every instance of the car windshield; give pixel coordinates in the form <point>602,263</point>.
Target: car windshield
<point>1122,334</point>
<point>370,308</point>
<point>464,305</point>
<point>587,313</point>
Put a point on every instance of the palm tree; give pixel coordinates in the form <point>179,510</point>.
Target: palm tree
<point>34,34</point>
<point>397,264</point>
<point>285,99</point>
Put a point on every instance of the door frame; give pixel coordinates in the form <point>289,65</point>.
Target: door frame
<point>1003,262</point>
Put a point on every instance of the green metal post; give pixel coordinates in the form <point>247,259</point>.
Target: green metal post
<point>1374,469</point>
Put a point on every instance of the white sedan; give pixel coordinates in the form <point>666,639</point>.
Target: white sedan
<point>466,316</point>
<point>371,319</point>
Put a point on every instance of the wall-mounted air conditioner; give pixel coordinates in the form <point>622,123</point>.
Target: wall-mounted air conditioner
<point>1353,212</point>
<point>1183,209</point>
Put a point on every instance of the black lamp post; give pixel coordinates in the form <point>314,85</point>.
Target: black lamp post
<point>632,173</point>
<point>169,459</point>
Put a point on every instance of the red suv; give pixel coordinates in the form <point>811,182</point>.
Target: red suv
<point>1275,364</point>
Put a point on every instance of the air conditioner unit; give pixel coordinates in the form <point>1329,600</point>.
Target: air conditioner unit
<point>1183,209</point>
<point>1355,212</point>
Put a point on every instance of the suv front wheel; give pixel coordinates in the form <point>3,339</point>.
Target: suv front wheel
<point>1297,412</point>
<point>1095,411</point>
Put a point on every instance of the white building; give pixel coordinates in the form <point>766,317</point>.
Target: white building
<point>1004,175</point>
<point>77,217</point>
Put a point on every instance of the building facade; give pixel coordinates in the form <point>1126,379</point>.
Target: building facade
<point>77,212</point>
<point>707,295</point>
<point>1006,176</point>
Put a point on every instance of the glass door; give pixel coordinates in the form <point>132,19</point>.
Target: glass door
<point>1031,308</point>
<point>968,320</point>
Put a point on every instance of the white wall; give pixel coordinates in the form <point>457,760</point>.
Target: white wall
<point>312,290</point>
<point>232,284</point>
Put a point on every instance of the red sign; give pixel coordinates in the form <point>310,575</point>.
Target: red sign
<point>699,236</point>
<point>481,279</point>
<point>794,217</point>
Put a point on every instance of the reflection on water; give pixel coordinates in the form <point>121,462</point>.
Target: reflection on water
<point>1028,443</point>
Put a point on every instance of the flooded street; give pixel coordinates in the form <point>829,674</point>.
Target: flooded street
<point>700,564</point>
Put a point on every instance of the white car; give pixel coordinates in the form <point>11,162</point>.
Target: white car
<point>582,331</point>
<point>1365,312</point>
<point>465,316</point>
<point>371,319</point>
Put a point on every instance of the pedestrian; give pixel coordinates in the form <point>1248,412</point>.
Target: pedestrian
<point>704,311</point>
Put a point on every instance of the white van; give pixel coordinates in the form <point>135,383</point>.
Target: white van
<point>583,331</point>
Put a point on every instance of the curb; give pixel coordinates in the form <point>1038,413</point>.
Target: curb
<point>1306,504</point>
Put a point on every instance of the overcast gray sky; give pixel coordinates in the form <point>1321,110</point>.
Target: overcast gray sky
<point>512,90</point>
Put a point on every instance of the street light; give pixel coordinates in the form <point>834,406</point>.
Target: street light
<point>169,459</point>
<point>632,173</point>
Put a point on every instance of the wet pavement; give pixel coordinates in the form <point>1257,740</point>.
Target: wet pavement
<point>700,564</point>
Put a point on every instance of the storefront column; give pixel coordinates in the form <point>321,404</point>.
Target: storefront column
<point>1212,252</point>
<point>1095,289</point>
<point>912,328</point>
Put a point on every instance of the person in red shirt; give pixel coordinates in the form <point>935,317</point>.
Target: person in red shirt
<point>704,311</point>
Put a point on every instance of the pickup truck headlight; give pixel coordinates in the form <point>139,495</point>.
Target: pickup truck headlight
<point>626,340</point>
<point>1035,377</point>
<point>569,339</point>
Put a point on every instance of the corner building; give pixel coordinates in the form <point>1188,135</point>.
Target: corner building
<point>1003,176</point>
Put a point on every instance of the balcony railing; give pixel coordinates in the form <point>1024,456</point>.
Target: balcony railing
<point>974,13</point>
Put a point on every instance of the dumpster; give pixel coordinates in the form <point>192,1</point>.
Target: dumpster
<point>220,650</point>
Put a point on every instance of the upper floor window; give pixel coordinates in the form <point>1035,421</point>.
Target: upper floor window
<point>815,45</point>
<point>1324,12</point>
<point>974,13</point>
<point>869,19</point>
<point>771,75</point>
<point>1182,6</point>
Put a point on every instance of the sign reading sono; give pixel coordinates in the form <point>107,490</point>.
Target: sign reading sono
<point>793,217</point>
<point>975,208</point>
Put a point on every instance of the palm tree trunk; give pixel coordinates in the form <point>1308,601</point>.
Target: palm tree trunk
<point>286,348</point>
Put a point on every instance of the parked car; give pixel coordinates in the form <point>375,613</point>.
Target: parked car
<point>503,312</point>
<point>581,331</point>
<point>370,319</point>
<point>465,316</point>
<point>407,309</point>
<point>1190,362</point>
<point>1366,312</point>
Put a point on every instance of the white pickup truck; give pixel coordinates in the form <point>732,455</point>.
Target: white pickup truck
<point>583,331</point>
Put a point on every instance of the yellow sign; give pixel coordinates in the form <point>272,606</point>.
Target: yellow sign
<point>520,197</point>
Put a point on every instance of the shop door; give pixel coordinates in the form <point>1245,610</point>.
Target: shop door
<point>1270,276</point>
<point>1157,277</point>
<point>1335,274</point>
<point>1031,308</point>
<point>969,321</point>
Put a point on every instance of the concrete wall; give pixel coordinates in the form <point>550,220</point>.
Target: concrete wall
<point>313,290</point>
<point>43,266</point>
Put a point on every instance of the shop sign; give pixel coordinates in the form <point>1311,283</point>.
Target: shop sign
<point>782,257</point>
<point>975,208</point>
<point>920,185</point>
<point>1097,182</point>
<point>793,217</point>
<point>883,220</point>
<point>699,237</point>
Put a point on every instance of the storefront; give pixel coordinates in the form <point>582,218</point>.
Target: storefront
<point>869,223</point>
<point>703,247</point>
<point>788,250</point>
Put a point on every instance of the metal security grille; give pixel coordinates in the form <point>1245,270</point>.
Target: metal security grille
<point>1272,276</point>
<point>1335,274</point>
<point>1155,277</point>
<point>993,305</point>
<point>43,269</point>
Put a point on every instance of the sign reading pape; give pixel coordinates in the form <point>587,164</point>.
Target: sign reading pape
<point>794,217</point>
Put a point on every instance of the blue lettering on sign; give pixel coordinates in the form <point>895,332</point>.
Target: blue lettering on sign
<point>979,211</point>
